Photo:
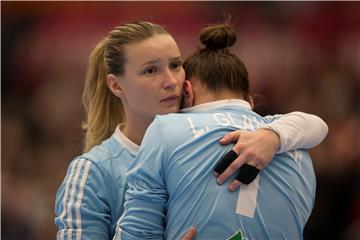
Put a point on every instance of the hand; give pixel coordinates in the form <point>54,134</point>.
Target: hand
<point>254,148</point>
<point>190,234</point>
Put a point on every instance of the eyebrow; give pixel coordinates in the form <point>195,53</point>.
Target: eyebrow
<point>158,60</point>
<point>150,62</point>
<point>177,58</point>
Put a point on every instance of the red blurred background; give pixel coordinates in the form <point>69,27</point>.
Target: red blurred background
<point>300,56</point>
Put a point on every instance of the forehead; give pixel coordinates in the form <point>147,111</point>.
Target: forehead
<point>161,46</point>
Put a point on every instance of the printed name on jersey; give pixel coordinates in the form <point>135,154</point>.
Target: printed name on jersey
<point>227,120</point>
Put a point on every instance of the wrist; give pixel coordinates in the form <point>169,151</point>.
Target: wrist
<point>273,136</point>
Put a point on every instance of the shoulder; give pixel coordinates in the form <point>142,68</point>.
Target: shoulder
<point>160,125</point>
<point>108,153</point>
<point>171,117</point>
<point>171,121</point>
<point>102,152</point>
<point>107,162</point>
<point>164,127</point>
<point>160,135</point>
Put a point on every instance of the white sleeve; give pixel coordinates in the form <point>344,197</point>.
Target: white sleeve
<point>298,130</point>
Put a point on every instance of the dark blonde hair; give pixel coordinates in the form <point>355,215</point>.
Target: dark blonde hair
<point>214,65</point>
<point>104,111</point>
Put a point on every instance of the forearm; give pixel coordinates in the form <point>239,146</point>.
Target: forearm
<point>298,130</point>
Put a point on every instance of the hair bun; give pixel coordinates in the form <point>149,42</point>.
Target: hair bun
<point>218,36</point>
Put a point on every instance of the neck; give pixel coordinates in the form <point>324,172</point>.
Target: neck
<point>135,128</point>
<point>205,96</point>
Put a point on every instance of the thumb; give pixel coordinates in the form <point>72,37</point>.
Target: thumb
<point>230,137</point>
<point>190,234</point>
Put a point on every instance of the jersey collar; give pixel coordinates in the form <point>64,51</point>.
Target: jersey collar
<point>124,141</point>
<point>216,104</point>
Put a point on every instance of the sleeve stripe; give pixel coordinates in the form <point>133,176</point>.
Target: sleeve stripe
<point>66,195</point>
<point>60,234</point>
<point>79,200</point>
<point>78,234</point>
<point>72,196</point>
<point>73,199</point>
<point>118,231</point>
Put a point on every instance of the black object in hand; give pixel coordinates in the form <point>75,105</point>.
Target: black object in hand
<point>225,161</point>
<point>247,173</point>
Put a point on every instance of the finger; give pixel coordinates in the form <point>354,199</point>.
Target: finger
<point>230,137</point>
<point>234,185</point>
<point>225,162</point>
<point>190,234</point>
<point>234,166</point>
<point>247,173</point>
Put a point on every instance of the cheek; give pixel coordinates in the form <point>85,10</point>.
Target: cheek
<point>141,102</point>
<point>181,77</point>
<point>136,95</point>
<point>143,95</point>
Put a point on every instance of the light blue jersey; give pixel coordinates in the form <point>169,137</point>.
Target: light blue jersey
<point>90,199</point>
<point>171,185</point>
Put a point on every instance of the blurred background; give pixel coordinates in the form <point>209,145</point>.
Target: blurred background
<point>300,56</point>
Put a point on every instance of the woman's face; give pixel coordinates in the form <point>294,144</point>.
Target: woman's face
<point>153,78</point>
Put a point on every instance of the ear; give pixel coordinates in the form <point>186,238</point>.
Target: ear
<point>113,85</point>
<point>188,95</point>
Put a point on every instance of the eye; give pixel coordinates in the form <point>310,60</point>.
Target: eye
<point>176,65</point>
<point>150,70</point>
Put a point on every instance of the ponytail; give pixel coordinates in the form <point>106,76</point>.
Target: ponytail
<point>103,110</point>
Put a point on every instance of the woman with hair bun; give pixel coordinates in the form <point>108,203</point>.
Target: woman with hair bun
<point>170,182</point>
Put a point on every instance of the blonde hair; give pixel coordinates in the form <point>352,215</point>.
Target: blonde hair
<point>104,111</point>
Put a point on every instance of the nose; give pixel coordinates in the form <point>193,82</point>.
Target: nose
<point>170,80</point>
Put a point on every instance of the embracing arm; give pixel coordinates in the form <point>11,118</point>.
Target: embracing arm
<point>80,208</point>
<point>298,130</point>
<point>289,132</point>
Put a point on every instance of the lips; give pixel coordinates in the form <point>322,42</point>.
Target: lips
<point>170,98</point>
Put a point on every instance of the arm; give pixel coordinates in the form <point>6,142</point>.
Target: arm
<point>80,207</point>
<point>146,195</point>
<point>289,132</point>
<point>298,130</point>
